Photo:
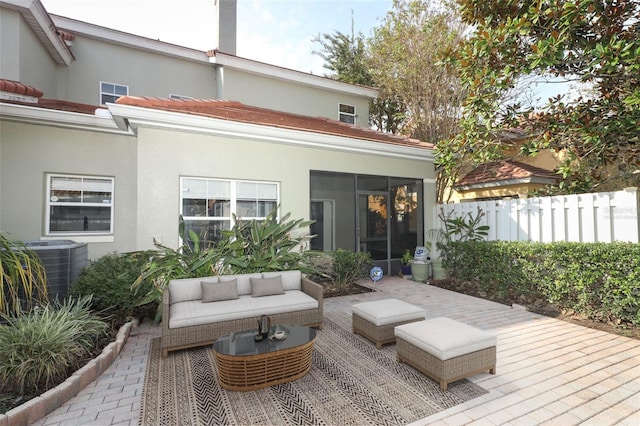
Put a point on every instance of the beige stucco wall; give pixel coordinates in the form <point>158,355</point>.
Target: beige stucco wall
<point>146,74</point>
<point>23,58</point>
<point>147,171</point>
<point>30,151</point>
<point>165,156</point>
<point>298,99</point>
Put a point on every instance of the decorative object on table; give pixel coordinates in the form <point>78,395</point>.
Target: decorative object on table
<point>264,324</point>
<point>376,274</point>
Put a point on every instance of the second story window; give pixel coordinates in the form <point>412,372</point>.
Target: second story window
<point>110,92</point>
<point>347,113</point>
<point>172,96</point>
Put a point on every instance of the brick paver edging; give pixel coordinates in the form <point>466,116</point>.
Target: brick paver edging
<point>38,407</point>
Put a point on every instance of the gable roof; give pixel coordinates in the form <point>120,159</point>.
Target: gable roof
<point>236,111</point>
<point>43,27</point>
<point>506,172</point>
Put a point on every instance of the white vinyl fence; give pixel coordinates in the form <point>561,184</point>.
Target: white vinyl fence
<point>594,217</point>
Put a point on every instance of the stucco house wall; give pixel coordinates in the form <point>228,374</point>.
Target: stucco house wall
<point>29,62</point>
<point>29,152</point>
<point>147,169</point>
<point>165,156</point>
<point>155,75</point>
<point>297,99</point>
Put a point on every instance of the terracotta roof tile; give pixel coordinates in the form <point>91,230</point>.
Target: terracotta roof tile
<point>66,35</point>
<point>18,88</point>
<point>236,111</point>
<point>22,89</point>
<point>502,171</point>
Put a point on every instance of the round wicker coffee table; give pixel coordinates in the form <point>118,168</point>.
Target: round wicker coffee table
<point>245,365</point>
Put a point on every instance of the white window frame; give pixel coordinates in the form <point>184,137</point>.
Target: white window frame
<point>233,199</point>
<point>51,201</point>
<point>346,116</point>
<point>112,93</point>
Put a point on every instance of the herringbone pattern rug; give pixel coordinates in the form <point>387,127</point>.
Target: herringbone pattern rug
<point>350,383</point>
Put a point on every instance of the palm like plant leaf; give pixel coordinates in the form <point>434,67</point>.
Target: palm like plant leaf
<point>21,271</point>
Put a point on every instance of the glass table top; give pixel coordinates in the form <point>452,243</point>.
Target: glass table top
<point>242,342</point>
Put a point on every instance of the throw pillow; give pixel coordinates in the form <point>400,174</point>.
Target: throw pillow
<point>266,286</point>
<point>214,292</point>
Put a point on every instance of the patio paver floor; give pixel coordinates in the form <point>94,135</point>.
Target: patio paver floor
<point>548,372</point>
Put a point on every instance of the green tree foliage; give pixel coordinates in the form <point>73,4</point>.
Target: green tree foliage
<point>596,43</point>
<point>406,63</point>
<point>347,59</point>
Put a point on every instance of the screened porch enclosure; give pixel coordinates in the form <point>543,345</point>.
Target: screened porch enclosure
<point>381,215</point>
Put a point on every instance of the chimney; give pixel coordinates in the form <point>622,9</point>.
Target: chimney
<point>225,19</point>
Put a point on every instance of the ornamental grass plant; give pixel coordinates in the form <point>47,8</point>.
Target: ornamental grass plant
<point>39,349</point>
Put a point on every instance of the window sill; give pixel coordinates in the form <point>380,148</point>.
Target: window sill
<point>82,238</point>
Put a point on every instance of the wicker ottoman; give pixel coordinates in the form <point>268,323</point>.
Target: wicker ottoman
<point>376,320</point>
<point>446,350</point>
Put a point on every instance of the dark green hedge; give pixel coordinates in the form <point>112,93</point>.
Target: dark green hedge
<point>599,280</point>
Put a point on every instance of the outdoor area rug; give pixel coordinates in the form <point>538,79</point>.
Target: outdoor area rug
<point>350,383</point>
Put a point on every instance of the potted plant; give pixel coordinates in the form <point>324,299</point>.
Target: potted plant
<point>464,228</point>
<point>405,268</point>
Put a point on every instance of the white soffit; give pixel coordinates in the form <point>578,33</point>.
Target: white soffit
<point>159,119</point>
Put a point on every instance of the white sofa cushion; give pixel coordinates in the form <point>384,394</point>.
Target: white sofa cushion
<point>388,311</point>
<point>244,281</point>
<point>192,312</point>
<point>214,292</point>
<point>187,289</point>
<point>291,280</point>
<point>445,338</point>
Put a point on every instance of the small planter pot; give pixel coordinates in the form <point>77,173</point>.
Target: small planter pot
<point>439,272</point>
<point>405,270</point>
<point>420,272</point>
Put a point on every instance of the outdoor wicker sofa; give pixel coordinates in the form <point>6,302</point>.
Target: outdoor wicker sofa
<point>197,311</point>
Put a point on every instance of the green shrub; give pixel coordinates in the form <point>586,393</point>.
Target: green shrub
<point>23,279</point>
<point>348,267</point>
<point>264,245</point>
<point>39,349</point>
<point>599,280</point>
<point>251,246</point>
<point>108,280</point>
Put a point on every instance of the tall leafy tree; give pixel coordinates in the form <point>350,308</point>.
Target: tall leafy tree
<point>594,42</point>
<point>406,63</point>
<point>347,59</point>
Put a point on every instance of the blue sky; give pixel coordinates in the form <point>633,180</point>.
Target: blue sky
<point>277,32</point>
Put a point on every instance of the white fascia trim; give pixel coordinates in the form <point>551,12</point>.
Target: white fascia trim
<point>40,22</point>
<point>509,182</point>
<point>145,117</point>
<point>129,40</point>
<point>52,117</point>
<point>272,71</point>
